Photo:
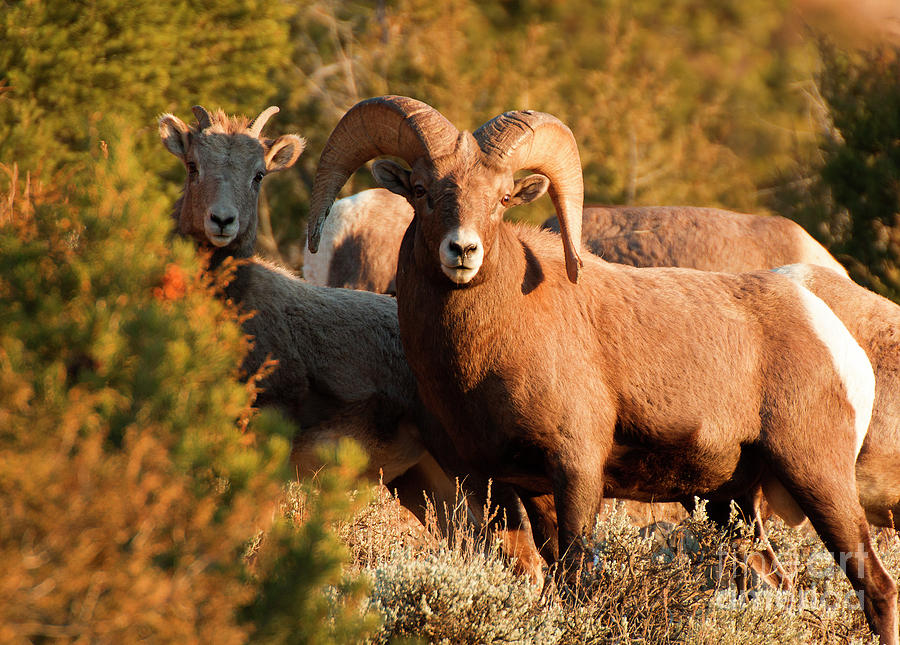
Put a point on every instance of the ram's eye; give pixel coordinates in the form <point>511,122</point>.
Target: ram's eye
<point>505,199</point>
<point>192,168</point>
<point>258,177</point>
<point>419,191</point>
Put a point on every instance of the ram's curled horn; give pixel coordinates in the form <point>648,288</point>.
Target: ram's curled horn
<point>257,124</point>
<point>386,125</point>
<point>203,118</point>
<point>544,144</point>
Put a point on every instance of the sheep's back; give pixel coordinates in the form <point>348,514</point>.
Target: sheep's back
<point>708,239</point>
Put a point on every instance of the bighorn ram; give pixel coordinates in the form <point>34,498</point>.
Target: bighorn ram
<point>360,243</point>
<point>874,322</point>
<point>710,239</point>
<point>341,369</point>
<point>584,378</point>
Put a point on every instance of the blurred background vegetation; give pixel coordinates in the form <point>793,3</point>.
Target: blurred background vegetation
<point>135,480</point>
<point>753,105</point>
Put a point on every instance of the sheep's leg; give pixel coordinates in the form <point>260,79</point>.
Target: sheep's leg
<point>542,513</point>
<point>766,563</point>
<point>516,533</point>
<point>578,494</point>
<point>465,505</point>
<point>769,569</point>
<point>426,479</point>
<point>829,498</point>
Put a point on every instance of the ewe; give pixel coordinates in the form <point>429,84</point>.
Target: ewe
<point>588,379</point>
<point>341,370</point>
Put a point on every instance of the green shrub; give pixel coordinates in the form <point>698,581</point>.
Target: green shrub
<point>847,194</point>
<point>133,471</point>
<point>305,595</point>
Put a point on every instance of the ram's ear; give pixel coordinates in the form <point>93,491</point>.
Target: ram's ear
<point>528,189</point>
<point>392,176</point>
<point>175,135</point>
<point>283,152</point>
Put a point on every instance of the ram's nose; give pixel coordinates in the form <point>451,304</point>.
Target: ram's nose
<point>461,254</point>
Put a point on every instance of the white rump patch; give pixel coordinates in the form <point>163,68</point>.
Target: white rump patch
<point>849,358</point>
<point>316,266</point>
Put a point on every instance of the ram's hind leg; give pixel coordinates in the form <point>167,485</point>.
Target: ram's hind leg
<point>823,484</point>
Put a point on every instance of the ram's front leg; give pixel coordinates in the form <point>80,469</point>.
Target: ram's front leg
<point>577,477</point>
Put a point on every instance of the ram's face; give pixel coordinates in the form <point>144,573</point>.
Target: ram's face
<point>459,201</point>
<point>459,210</point>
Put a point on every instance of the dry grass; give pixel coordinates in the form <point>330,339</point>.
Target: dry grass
<point>669,581</point>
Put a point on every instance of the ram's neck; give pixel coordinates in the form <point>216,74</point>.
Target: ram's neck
<point>443,325</point>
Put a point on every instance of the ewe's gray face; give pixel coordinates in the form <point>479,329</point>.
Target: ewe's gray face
<point>459,201</point>
<point>225,163</point>
<point>222,190</point>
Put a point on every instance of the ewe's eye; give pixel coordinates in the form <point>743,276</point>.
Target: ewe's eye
<point>505,199</point>
<point>419,191</point>
<point>192,168</point>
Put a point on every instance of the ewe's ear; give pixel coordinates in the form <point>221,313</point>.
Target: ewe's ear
<point>174,134</point>
<point>392,176</point>
<point>283,152</point>
<point>528,189</point>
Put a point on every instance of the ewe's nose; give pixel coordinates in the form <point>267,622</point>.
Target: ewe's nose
<point>222,221</point>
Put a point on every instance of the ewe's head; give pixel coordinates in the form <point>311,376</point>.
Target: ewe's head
<point>458,183</point>
<point>226,160</point>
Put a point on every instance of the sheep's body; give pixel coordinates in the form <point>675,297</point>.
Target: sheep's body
<point>874,322</point>
<point>360,242</point>
<point>640,383</point>
<point>710,239</point>
<point>341,369</point>
<point>716,240</point>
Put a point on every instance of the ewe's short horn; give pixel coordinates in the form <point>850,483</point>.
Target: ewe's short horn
<point>203,118</point>
<point>542,143</point>
<point>386,125</point>
<point>257,124</point>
